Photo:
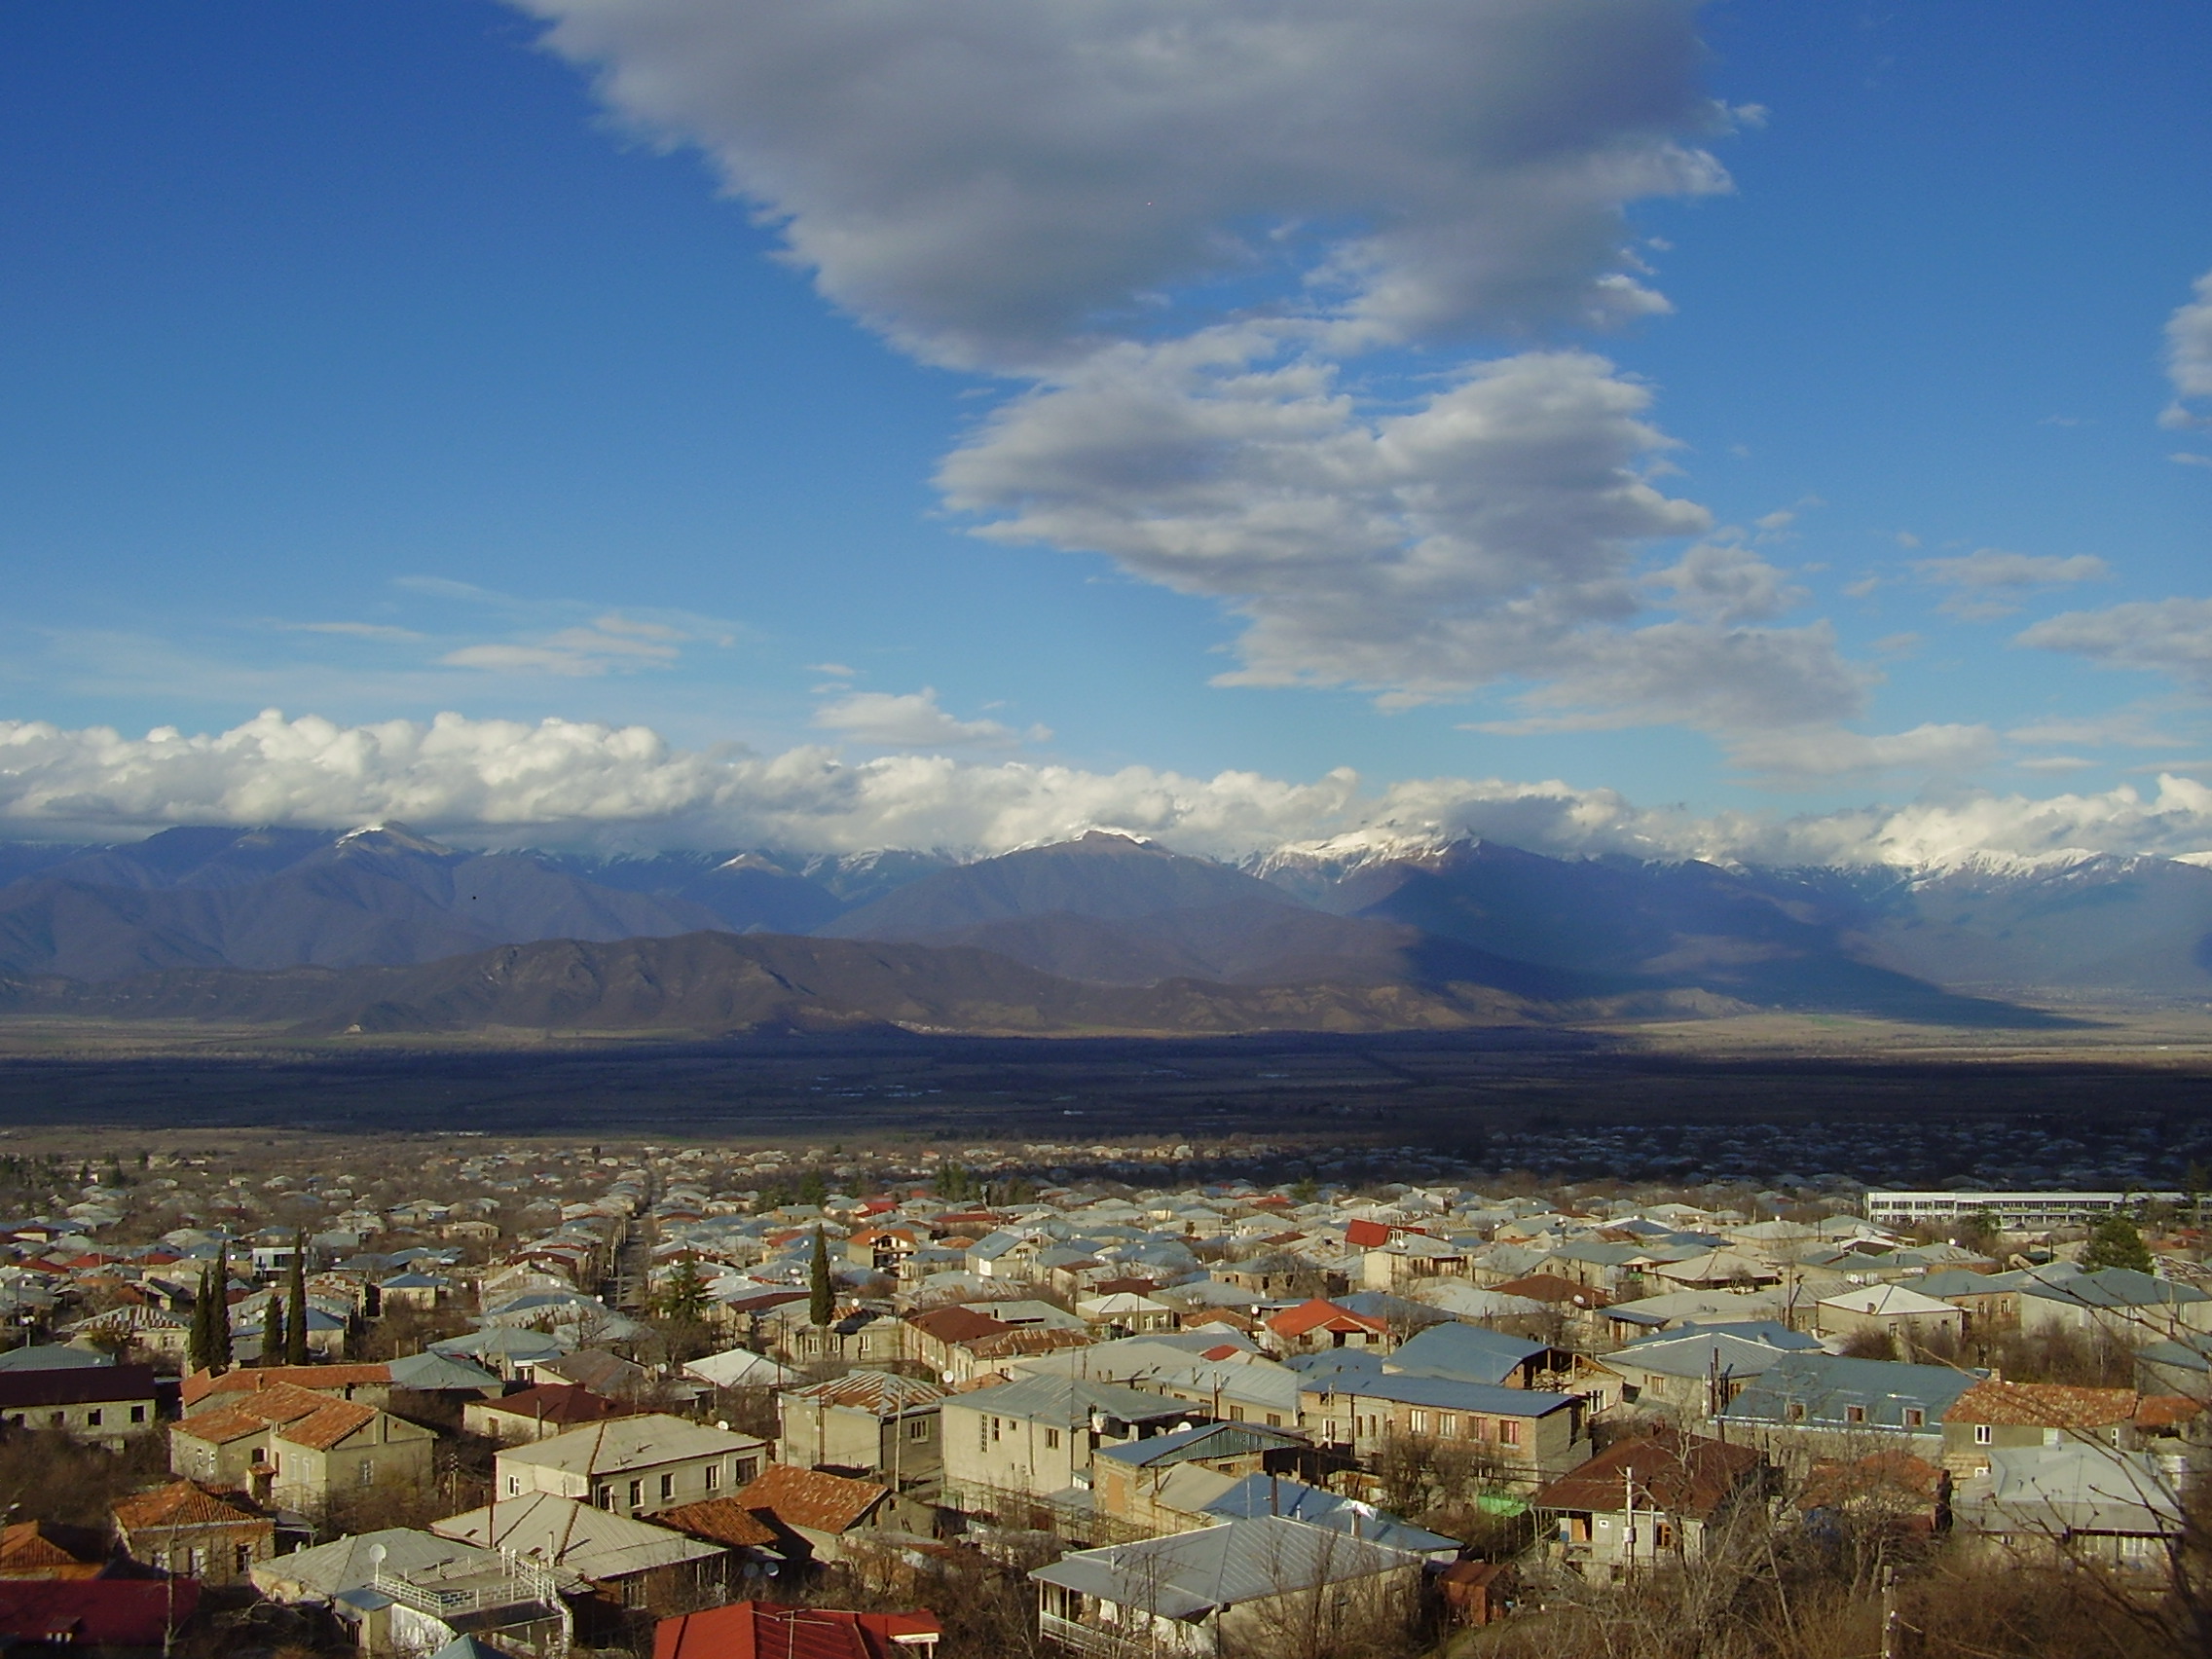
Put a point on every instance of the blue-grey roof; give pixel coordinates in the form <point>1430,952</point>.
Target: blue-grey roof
<point>1467,1353</point>
<point>52,1356</point>
<point>1186,1574</point>
<point>1352,1371</point>
<point>1068,1402</point>
<point>2118,1287</point>
<point>1273,1495</point>
<point>1206,1440</point>
<point>1827,1384</point>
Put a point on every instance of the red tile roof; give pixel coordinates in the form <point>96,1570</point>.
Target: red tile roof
<point>1320,1314</point>
<point>764,1629</point>
<point>718,1521</point>
<point>810,1498</point>
<point>2043,1405</point>
<point>324,1378</point>
<point>182,1504</point>
<point>1681,1474</point>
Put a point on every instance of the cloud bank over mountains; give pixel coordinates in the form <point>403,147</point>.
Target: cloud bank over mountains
<point>560,784</point>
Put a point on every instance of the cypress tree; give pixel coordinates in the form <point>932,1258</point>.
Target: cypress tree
<point>296,1339</point>
<point>272,1332</point>
<point>219,1312</point>
<point>821,1293</point>
<point>202,1342</point>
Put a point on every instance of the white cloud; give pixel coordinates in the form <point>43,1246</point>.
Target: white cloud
<point>988,180</point>
<point>913,719</point>
<point>1820,754</point>
<point>1487,535</point>
<point>1720,581</point>
<point>560,783</point>
<point>611,643</point>
<point>1050,189</point>
<point>2189,359</point>
<point>1988,580</point>
<point>356,630</point>
<point>2161,636</point>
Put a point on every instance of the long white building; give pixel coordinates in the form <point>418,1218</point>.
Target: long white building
<point>2017,1211</point>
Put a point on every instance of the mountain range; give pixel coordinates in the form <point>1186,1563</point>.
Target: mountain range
<point>383,929</point>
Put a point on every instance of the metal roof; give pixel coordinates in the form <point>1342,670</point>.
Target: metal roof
<point>1188,1575</point>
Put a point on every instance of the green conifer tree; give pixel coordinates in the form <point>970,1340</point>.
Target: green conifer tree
<point>296,1339</point>
<point>272,1332</point>
<point>200,1346</point>
<point>2114,1242</point>
<point>219,1313</point>
<point>821,1292</point>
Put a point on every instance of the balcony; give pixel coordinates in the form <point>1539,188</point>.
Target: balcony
<point>1091,1639</point>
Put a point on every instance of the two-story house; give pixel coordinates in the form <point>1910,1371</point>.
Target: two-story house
<point>633,1465</point>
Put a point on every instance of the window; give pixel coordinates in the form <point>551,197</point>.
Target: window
<point>93,1418</point>
<point>1794,1411</point>
<point>919,1429</point>
<point>137,1414</point>
<point>1052,1439</point>
<point>1329,1429</point>
<point>196,1563</point>
<point>1235,1413</point>
<point>995,1428</point>
<point>1274,1419</point>
<point>1417,1422</point>
<point>1663,1535</point>
<point>637,1494</point>
<point>714,1474</point>
<point>241,1557</point>
<point>604,1496</point>
<point>1508,1432</point>
<point>668,1485</point>
<point>748,1470</point>
<point>1447,1425</point>
<point>514,1485</point>
<point>60,1420</point>
<point>1855,1414</point>
<point>1983,1434</point>
<point>366,1474</point>
<point>1915,1417</point>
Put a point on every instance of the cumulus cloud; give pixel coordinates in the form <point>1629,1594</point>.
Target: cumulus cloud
<point>988,181</point>
<point>1987,582</point>
<point>1487,535</point>
<point>2189,360</point>
<point>1057,190</point>
<point>560,783</point>
<point>2160,636</point>
<point>913,719</point>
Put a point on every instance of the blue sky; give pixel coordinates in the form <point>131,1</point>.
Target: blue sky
<point>1467,396</point>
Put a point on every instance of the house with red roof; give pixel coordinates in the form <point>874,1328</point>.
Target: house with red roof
<point>766,1630</point>
<point>1317,1324</point>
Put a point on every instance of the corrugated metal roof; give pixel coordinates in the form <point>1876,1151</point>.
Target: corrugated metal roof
<point>1188,1574</point>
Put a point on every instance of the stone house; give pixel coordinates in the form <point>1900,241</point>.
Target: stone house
<point>876,1424</point>
<point>1646,1502</point>
<point>1317,1326</point>
<point>1238,1587</point>
<point>183,1527</point>
<point>1995,1416</point>
<point>1525,1435</point>
<point>1036,1435</point>
<point>103,1405</point>
<point>299,1450</point>
<point>633,1465</point>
